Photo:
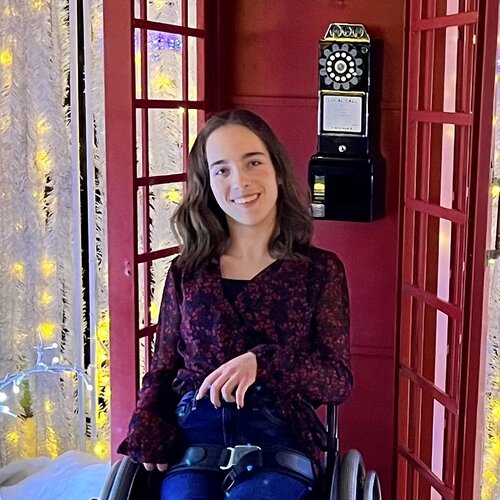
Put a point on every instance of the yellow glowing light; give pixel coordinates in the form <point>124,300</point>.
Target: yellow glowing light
<point>51,443</point>
<point>49,406</point>
<point>47,330</point>
<point>18,269</point>
<point>6,57</point>
<point>162,82</point>
<point>39,195</point>
<point>495,445</point>
<point>495,190</point>
<point>42,126</point>
<point>100,449</point>
<point>173,195</point>
<point>46,298</point>
<point>48,267</point>
<point>103,328</point>
<point>495,411</point>
<point>490,477</point>
<point>13,437</point>
<point>102,357</point>
<point>5,122</point>
<point>107,393</point>
<point>102,419</point>
<point>38,4</point>
<point>319,187</point>
<point>103,377</point>
<point>43,161</point>
<point>154,309</point>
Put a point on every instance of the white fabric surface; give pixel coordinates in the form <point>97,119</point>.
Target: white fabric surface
<point>72,476</point>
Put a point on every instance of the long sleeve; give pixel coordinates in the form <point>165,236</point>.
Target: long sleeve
<point>317,367</point>
<point>153,433</point>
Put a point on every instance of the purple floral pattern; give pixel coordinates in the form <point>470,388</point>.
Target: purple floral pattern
<point>294,316</point>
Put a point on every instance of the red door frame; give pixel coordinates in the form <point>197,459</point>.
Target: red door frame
<point>120,149</point>
<point>475,313</point>
<point>121,105</point>
<point>461,475</point>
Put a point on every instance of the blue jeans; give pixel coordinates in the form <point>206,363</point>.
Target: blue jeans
<point>258,423</point>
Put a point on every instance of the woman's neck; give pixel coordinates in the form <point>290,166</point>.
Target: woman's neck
<point>247,254</point>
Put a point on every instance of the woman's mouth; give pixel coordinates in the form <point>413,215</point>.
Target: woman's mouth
<point>246,200</point>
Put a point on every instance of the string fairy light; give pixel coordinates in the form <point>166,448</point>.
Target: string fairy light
<point>14,380</point>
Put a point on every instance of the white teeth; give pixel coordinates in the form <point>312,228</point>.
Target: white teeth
<point>246,199</point>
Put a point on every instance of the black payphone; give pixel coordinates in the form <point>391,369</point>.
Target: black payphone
<point>346,174</point>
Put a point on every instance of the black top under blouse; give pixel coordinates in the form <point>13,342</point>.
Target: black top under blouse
<point>232,288</point>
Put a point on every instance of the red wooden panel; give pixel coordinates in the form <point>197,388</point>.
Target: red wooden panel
<point>131,267</point>
<point>439,404</point>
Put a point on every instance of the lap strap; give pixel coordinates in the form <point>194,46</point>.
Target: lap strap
<point>215,458</point>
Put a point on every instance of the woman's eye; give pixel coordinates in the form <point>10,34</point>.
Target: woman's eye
<point>255,163</point>
<point>220,171</point>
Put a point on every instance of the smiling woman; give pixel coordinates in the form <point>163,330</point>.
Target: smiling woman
<point>253,330</point>
<point>243,179</point>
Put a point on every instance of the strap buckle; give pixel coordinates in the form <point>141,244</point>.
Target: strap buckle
<point>237,453</point>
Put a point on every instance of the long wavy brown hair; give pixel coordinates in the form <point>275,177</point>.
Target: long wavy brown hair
<point>201,224</point>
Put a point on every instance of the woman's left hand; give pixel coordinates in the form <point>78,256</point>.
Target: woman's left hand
<point>231,380</point>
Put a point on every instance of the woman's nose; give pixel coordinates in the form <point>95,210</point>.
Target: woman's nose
<point>240,178</point>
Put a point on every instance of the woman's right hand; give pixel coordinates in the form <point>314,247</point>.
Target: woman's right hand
<point>150,467</point>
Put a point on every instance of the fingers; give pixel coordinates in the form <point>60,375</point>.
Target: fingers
<point>230,381</point>
<point>241,391</point>
<point>151,467</point>
<point>228,389</point>
<point>205,386</point>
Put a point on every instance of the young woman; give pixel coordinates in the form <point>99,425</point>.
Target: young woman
<point>253,330</point>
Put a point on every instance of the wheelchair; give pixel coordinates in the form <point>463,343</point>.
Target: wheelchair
<point>348,478</point>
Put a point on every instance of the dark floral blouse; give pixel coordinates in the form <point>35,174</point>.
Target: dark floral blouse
<point>294,315</point>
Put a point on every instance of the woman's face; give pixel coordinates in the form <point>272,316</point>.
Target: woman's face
<point>242,176</point>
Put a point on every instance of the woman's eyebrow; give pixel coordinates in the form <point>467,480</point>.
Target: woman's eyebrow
<point>253,153</point>
<point>244,157</point>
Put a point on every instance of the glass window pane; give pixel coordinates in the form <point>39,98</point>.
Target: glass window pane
<point>195,74</point>
<point>137,9</point>
<point>195,13</point>
<point>196,120</point>
<point>159,269</point>
<point>138,37</point>
<point>138,143</point>
<point>141,219</point>
<point>141,303</point>
<point>163,200</point>
<point>445,82</point>
<point>142,358</point>
<point>164,65</point>
<point>163,11</point>
<point>165,141</point>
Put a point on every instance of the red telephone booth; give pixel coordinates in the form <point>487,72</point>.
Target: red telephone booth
<point>415,276</point>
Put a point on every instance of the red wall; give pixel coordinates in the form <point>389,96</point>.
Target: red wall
<point>268,63</point>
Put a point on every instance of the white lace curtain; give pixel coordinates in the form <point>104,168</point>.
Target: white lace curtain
<point>40,278</point>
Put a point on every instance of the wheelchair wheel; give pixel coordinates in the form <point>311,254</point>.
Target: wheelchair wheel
<point>335,480</point>
<point>352,476</point>
<point>121,483</point>
<point>109,481</point>
<point>371,487</point>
